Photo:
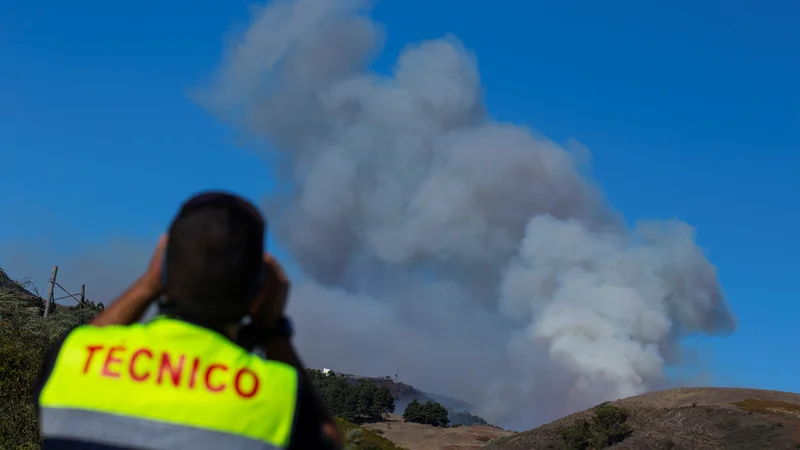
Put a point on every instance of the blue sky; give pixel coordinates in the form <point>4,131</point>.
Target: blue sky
<point>690,111</point>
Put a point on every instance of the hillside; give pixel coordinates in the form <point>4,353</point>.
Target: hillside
<point>404,393</point>
<point>24,297</point>
<point>414,436</point>
<point>24,337</point>
<point>688,419</point>
<point>10,286</point>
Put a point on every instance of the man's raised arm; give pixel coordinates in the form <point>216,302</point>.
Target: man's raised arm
<point>129,307</point>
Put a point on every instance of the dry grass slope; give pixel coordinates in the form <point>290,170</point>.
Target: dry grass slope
<point>414,436</point>
<point>361,438</point>
<point>689,419</point>
<point>767,407</point>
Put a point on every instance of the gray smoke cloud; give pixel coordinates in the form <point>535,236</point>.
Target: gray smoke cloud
<point>475,257</point>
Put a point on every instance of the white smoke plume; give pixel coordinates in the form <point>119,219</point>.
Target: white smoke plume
<point>472,256</point>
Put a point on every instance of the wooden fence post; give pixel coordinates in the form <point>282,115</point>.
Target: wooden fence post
<point>50,292</point>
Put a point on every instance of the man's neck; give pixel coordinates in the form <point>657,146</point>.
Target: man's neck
<point>229,330</point>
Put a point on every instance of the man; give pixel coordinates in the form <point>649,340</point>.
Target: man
<point>187,379</point>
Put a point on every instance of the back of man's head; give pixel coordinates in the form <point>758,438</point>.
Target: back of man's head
<point>213,260</point>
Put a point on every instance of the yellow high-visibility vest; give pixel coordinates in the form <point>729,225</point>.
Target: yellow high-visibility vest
<point>166,384</point>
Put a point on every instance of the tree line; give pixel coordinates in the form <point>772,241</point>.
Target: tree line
<point>356,401</point>
<point>363,401</point>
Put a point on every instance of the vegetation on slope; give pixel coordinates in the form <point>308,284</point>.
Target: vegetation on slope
<point>607,427</point>
<point>403,393</point>
<point>365,400</point>
<point>24,338</point>
<point>357,401</point>
<point>357,438</point>
<point>466,419</point>
<point>697,418</point>
<point>768,406</point>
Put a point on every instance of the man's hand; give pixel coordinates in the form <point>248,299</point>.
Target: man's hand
<point>268,308</point>
<point>270,304</point>
<point>129,307</point>
<point>152,279</point>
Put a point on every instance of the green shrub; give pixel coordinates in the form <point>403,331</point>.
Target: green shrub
<point>428,413</point>
<point>608,427</point>
<point>357,438</point>
<point>577,436</point>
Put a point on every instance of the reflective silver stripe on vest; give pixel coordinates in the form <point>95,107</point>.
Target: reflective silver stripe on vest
<point>101,428</point>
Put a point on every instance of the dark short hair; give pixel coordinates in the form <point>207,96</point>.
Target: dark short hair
<point>213,258</point>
